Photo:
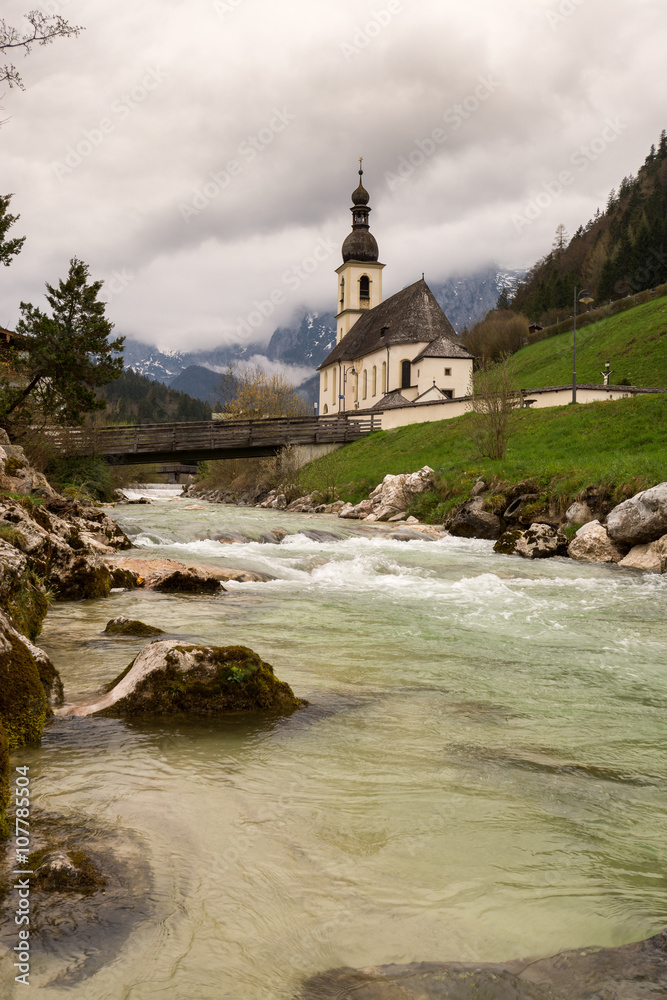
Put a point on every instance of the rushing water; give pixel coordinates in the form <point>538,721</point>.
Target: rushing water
<point>481,773</point>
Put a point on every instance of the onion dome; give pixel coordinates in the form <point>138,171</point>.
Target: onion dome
<point>360,243</point>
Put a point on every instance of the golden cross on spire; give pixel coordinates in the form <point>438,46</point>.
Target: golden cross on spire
<point>361,162</point>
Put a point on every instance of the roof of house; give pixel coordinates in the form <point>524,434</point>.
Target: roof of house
<point>411,316</point>
<point>391,401</point>
<point>442,348</point>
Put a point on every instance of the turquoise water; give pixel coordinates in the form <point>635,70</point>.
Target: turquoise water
<point>481,772</point>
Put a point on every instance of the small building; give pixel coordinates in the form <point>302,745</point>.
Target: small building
<point>388,353</point>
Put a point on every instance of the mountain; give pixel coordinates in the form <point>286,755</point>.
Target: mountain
<point>465,299</point>
<point>198,381</point>
<point>619,252</point>
<point>134,398</point>
<point>308,344</point>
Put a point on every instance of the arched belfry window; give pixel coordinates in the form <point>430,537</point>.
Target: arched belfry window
<point>406,372</point>
<point>342,292</point>
<point>364,288</point>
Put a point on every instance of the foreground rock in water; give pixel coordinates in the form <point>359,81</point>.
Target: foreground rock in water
<point>154,572</point>
<point>172,678</point>
<point>631,972</point>
<point>592,544</point>
<point>130,626</point>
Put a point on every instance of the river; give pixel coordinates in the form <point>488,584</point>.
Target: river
<point>480,774</point>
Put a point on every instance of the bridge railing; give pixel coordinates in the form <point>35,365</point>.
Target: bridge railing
<point>213,435</point>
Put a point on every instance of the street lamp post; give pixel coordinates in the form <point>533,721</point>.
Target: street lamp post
<point>583,297</point>
<point>352,369</point>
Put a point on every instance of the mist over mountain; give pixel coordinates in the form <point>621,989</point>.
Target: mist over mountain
<point>297,351</point>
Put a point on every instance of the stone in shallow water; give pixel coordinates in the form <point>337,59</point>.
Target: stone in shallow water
<point>631,972</point>
<point>178,678</point>
<point>129,626</point>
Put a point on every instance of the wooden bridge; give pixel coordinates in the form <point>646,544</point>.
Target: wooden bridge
<point>208,439</point>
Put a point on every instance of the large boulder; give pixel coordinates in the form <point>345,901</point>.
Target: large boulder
<point>396,493</point>
<point>540,541</point>
<point>630,972</point>
<point>652,557</point>
<point>471,520</point>
<point>131,627</point>
<point>641,519</point>
<point>172,678</point>
<point>29,685</point>
<point>592,544</point>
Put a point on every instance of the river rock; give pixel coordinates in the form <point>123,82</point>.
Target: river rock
<point>506,544</point>
<point>631,972</point>
<point>540,541</point>
<point>592,544</point>
<point>28,683</point>
<point>470,520</point>
<point>652,557</point>
<point>171,678</point>
<point>57,872</point>
<point>152,571</point>
<point>578,514</point>
<point>641,519</point>
<point>130,626</point>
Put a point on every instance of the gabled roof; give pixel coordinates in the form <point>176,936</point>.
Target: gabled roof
<point>442,348</point>
<point>411,316</point>
<point>391,401</point>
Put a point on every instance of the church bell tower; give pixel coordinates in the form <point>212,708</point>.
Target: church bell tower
<point>360,274</point>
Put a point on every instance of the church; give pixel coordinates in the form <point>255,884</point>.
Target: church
<point>390,354</point>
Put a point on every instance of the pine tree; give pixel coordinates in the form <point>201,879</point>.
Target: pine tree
<point>60,359</point>
<point>8,248</point>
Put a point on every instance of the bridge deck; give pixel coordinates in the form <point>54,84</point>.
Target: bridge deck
<point>208,439</point>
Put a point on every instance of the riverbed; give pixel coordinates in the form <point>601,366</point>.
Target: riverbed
<point>480,773</point>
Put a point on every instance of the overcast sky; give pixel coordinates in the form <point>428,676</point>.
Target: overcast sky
<point>199,155</point>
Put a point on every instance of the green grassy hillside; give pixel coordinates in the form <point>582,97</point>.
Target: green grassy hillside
<point>620,445</point>
<point>634,342</point>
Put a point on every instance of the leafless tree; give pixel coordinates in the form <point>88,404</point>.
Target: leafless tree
<point>42,29</point>
<point>495,398</point>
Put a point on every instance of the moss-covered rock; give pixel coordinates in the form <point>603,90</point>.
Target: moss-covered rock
<point>23,703</point>
<point>129,626</point>
<point>4,784</point>
<point>171,678</point>
<point>506,544</point>
<point>60,871</point>
<point>29,605</point>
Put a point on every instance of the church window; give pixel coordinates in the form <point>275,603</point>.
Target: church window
<point>406,374</point>
<point>365,383</point>
<point>333,386</point>
<point>364,288</point>
<point>342,292</point>
<point>374,381</point>
<point>356,387</point>
<point>326,379</point>
<point>326,407</point>
<point>448,371</point>
<point>384,376</point>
